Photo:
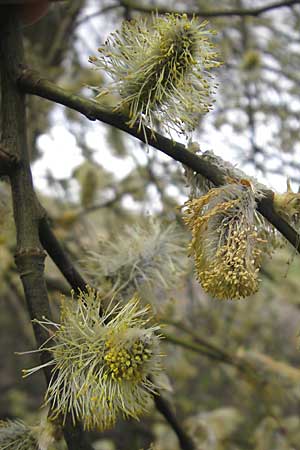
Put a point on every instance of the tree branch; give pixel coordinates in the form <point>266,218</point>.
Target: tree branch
<point>163,407</point>
<point>254,12</point>
<point>29,253</point>
<point>205,348</point>
<point>254,366</point>
<point>60,258</point>
<point>101,11</point>
<point>32,83</point>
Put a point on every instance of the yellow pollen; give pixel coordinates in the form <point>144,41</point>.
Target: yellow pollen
<point>126,364</point>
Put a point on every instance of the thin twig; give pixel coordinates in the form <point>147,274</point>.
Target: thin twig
<point>163,407</point>
<point>238,12</point>
<point>98,13</point>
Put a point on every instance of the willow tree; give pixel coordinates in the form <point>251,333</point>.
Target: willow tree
<point>104,355</point>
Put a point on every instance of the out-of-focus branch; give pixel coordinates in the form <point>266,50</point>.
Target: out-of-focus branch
<point>63,34</point>
<point>163,407</point>
<point>255,367</point>
<point>233,12</point>
<point>98,13</point>
<point>119,195</point>
<point>239,12</point>
<point>32,83</point>
<point>205,348</point>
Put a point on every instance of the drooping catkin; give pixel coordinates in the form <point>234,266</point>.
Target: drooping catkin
<point>226,244</point>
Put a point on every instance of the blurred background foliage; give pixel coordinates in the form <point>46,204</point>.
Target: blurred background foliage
<point>234,367</point>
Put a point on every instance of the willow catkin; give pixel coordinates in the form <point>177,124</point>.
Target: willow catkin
<point>161,71</point>
<point>226,243</point>
<point>102,366</point>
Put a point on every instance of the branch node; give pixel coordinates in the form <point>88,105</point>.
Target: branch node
<point>28,76</point>
<point>8,162</point>
<point>23,256</point>
<point>31,251</point>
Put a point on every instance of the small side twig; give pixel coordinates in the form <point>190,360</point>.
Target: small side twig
<point>8,161</point>
<point>230,12</point>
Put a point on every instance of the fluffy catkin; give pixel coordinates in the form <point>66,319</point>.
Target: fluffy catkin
<point>161,71</point>
<point>103,364</point>
<point>148,258</point>
<point>226,244</point>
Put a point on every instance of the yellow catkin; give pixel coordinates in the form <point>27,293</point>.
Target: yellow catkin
<point>103,361</point>
<point>161,71</point>
<point>226,244</point>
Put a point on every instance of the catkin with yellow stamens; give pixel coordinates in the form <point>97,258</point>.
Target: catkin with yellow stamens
<point>226,243</point>
<point>103,365</point>
<point>161,71</point>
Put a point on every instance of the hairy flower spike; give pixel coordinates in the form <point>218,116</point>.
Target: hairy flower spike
<point>15,435</point>
<point>101,365</point>
<point>161,72</point>
<point>226,244</point>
